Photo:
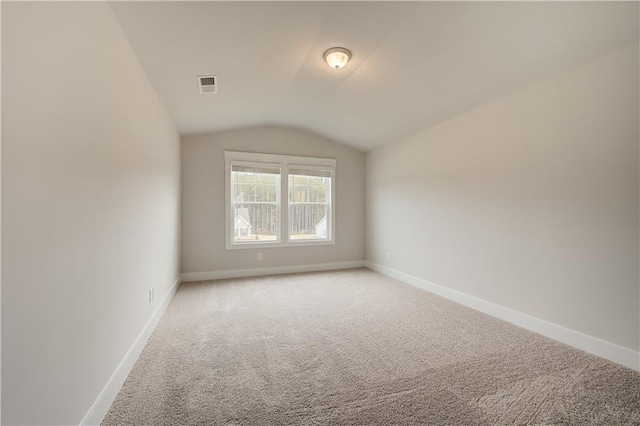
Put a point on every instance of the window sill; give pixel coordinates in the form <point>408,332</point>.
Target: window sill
<point>288,244</point>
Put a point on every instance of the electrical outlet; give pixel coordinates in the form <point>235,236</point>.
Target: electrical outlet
<point>260,257</point>
<point>388,255</point>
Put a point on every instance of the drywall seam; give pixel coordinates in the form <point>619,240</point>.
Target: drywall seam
<point>103,402</point>
<point>618,354</point>
<point>276,270</point>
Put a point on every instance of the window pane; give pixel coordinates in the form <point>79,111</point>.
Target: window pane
<point>309,206</point>
<point>255,222</point>
<point>254,203</point>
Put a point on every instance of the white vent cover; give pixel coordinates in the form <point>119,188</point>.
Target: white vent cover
<point>207,84</point>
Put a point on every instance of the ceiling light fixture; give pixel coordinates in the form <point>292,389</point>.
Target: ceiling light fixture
<point>337,57</point>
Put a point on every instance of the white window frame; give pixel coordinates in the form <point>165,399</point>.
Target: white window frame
<point>284,162</point>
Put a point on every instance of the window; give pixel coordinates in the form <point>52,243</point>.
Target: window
<point>279,200</point>
<point>255,204</point>
<point>309,204</point>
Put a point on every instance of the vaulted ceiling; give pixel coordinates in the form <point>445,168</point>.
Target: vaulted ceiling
<point>414,64</point>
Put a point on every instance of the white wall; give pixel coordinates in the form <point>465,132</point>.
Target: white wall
<point>530,202</point>
<point>90,206</point>
<point>0,228</point>
<point>203,203</point>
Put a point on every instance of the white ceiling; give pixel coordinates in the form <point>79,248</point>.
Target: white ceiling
<point>414,64</point>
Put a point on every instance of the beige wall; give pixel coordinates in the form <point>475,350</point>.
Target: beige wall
<point>203,203</point>
<point>530,202</point>
<point>90,206</point>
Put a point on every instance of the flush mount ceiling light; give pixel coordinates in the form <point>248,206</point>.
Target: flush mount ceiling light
<point>337,57</point>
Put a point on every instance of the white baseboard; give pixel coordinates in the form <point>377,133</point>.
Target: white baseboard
<point>618,354</point>
<point>102,404</point>
<point>276,270</point>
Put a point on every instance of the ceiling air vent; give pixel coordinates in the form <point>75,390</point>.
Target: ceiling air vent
<point>207,84</point>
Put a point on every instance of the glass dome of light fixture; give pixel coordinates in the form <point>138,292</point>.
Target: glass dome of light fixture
<point>337,57</point>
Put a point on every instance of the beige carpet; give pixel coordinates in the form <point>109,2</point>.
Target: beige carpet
<point>354,347</point>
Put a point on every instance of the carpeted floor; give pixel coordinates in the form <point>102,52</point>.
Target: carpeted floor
<point>355,347</point>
